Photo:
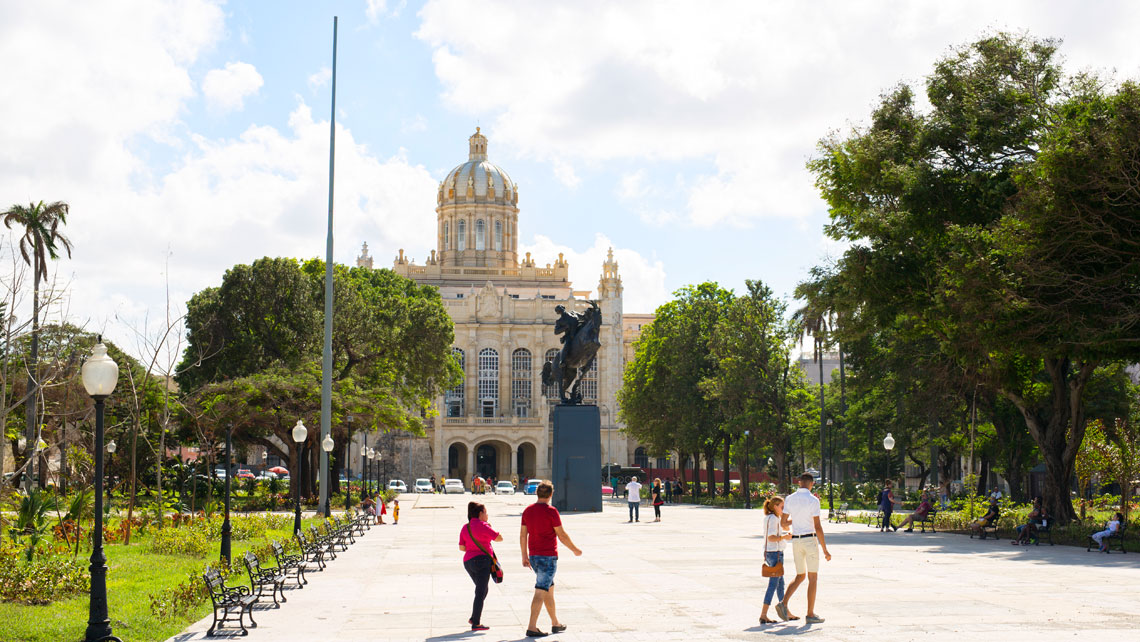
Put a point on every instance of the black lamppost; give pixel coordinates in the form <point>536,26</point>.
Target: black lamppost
<point>226,527</point>
<point>327,444</point>
<point>889,444</point>
<point>831,470</point>
<point>111,448</point>
<point>100,373</point>
<point>744,476</point>
<point>364,469</point>
<point>299,434</point>
<point>371,471</point>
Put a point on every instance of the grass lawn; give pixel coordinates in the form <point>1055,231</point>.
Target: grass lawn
<point>134,573</point>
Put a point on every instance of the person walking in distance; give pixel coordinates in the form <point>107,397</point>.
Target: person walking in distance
<point>668,491</point>
<point>655,495</point>
<point>887,503</point>
<point>801,511</point>
<point>539,535</point>
<point>478,557</point>
<point>633,496</point>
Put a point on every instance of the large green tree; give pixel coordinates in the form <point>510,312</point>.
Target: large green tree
<point>41,240</point>
<point>1003,223</point>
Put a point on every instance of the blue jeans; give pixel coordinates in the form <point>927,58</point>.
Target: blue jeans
<point>635,510</point>
<point>775,584</point>
<point>544,567</point>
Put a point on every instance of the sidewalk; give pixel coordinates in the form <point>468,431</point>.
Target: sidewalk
<point>695,576</point>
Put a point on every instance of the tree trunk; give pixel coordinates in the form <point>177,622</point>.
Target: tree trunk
<point>696,475</point>
<point>923,470</point>
<point>983,477</point>
<point>710,466</point>
<point>33,373</point>
<point>725,476</point>
<point>134,478</point>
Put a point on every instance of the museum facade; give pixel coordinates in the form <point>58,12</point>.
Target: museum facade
<point>497,422</point>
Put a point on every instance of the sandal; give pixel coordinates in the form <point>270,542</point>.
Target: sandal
<point>793,617</point>
<point>765,620</point>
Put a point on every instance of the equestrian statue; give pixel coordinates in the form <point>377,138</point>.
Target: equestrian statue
<point>579,348</point>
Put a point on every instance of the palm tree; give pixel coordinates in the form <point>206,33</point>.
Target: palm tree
<point>42,240</point>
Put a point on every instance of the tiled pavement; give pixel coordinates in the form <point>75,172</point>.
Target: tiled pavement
<point>695,576</point>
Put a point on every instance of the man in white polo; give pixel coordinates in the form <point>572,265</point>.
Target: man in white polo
<point>633,496</point>
<point>801,511</point>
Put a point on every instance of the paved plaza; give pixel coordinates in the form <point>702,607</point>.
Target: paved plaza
<point>696,576</point>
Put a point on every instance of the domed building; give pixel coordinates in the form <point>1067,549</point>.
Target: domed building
<point>496,423</point>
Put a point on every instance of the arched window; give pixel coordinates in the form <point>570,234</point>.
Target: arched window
<point>446,235</point>
<point>454,397</point>
<point>480,235</point>
<point>640,458</point>
<point>663,462</point>
<point>520,382</point>
<point>498,236</point>
<point>551,391</point>
<point>488,383</point>
<point>590,384</point>
<point>461,235</point>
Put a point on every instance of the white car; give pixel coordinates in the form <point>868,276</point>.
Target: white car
<point>397,485</point>
<point>423,486</point>
<point>504,488</point>
<point>453,486</point>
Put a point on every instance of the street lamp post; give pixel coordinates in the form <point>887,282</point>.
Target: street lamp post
<point>889,444</point>
<point>299,434</point>
<point>371,472</point>
<point>100,373</point>
<point>831,470</point>
<point>327,444</point>
<point>111,448</point>
<point>226,527</point>
<point>745,481</point>
<point>364,470</point>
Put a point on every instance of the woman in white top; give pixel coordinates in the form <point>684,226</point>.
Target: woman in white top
<point>774,538</point>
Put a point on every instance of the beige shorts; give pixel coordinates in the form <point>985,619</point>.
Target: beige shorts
<point>805,550</point>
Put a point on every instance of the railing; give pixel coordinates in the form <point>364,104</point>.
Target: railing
<point>494,421</point>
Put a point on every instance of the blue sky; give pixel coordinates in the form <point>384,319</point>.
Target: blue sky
<point>190,135</point>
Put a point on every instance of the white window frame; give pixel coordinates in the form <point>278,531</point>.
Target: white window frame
<point>480,235</point>
<point>461,235</point>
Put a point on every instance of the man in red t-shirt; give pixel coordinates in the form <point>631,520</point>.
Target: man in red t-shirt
<point>538,538</point>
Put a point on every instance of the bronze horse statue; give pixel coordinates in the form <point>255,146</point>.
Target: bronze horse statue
<point>579,348</point>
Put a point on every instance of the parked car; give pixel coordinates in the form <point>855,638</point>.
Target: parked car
<point>453,486</point>
<point>607,490</point>
<point>245,473</point>
<point>266,476</point>
<point>504,488</point>
<point>397,485</point>
<point>219,473</point>
<point>423,486</point>
<point>531,487</point>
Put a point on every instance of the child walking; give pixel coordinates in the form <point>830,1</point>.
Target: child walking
<point>395,512</point>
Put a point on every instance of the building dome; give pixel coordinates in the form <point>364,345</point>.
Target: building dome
<point>478,180</point>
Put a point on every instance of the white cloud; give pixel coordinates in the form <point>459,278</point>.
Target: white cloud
<point>320,79</point>
<point>565,174</point>
<point>375,9</point>
<point>226,89</point>
<point>417,123</point>
<point>742,89</point>
<point>225,201</point>
<point>643,280</point>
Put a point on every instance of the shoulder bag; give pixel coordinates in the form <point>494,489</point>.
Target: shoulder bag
<point>767,571</point>
<point>496,567</point>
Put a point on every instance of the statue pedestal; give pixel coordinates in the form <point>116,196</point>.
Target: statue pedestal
<point>577,463</point>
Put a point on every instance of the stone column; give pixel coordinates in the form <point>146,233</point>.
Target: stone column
<point>470,466</point>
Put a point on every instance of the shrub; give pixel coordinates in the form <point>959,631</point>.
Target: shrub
<point>42,581</point>
<point>189,540</point>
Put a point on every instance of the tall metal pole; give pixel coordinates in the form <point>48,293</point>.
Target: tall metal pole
<point>822,414</point>
<point>296,475</point>
<point>226,528</point>
<point>326,362</point>
<point>98,622</point>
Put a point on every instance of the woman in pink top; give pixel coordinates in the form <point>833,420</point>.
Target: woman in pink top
<point>475,541</point>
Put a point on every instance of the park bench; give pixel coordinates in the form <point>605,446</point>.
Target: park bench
<point>260,578</point>
<point>1044,529</point>
<point>879,520</point>
<point>840,514</point>
<point>345,528</point>
<point>337,533</point>
<point>228,600</point>
<point>360,522</point>
<point>987,529</point>
<point>1117,537</point>
<point>291,565</point>
<point>929,519</point>
<point>326,543</point>
<point>311,550</point>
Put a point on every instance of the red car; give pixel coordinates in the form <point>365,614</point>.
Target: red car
<point>244,473</point>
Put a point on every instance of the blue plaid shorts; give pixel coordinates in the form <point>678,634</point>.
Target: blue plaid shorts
<point>544,567</point>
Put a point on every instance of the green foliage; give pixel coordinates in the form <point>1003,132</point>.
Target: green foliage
<point>41,581</point>
<point>182,541</point>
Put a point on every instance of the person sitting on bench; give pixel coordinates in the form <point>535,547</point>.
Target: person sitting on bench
<point>1110,528</point>
<point>986,521</point>
<point>1028,530</point>
<point>920,513</point>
